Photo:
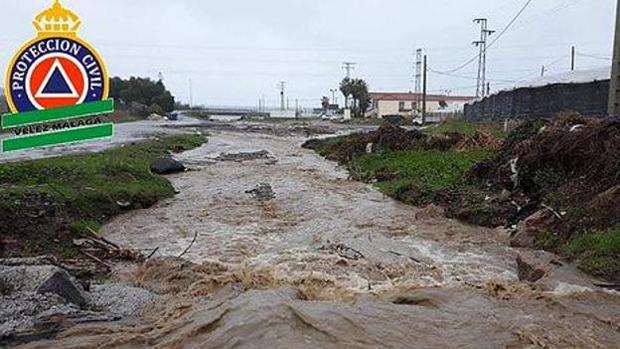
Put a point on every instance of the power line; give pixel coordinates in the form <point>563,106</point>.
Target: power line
<point>499,36</point>
<point>465,76</point>
<point>594,56</point>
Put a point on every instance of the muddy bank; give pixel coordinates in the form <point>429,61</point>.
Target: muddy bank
<point>554,183</point>
<point>389,155</point>
<point>55,206</point>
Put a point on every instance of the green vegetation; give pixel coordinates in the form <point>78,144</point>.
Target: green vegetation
<point>417,177</point>
<point>152,94</point>
<point>468,128</point>
<point>597,253</point>
<point>45,204</point>
<point>357,89</point>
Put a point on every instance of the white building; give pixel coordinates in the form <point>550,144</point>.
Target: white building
<point>410,104</point>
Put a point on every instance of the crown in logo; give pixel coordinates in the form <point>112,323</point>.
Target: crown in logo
<point>57,20</point>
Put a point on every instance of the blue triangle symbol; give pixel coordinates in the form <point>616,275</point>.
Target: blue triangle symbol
<point>57,84</point>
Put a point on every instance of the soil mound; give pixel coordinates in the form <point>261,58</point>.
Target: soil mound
<point>393,138</point>
<point>387,137</point>
<point>571,166</point>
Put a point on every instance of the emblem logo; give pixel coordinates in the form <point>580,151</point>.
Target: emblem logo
<point>57,68</point>
<point>57,86</point>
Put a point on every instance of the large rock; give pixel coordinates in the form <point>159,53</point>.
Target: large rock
<point>42,279</point>
<point>163,166</point>
<point>530,270</point>
<point>61,284</point>
<point>530,228</point>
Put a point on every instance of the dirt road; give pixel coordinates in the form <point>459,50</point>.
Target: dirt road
<point>333,263</point>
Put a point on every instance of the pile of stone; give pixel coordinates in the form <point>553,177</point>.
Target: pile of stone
<point>39,299</point>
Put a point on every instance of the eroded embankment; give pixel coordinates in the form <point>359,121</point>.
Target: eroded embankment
<point>556,181</point>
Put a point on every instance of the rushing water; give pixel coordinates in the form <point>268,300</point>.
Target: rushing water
<point>422,281</point>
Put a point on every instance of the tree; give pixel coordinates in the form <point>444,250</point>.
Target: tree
<point>358,90</point>
<point>346,87</point>
<point>142,90</point>
<point>361,97</point>
<point>325,102</point>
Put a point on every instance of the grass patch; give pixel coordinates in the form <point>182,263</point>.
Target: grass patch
<point>46,203</point>
<point>598,253</point>
<point>468,128</point>
<point>416,177</point>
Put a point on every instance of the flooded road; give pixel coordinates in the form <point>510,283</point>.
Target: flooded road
<point>292,254</point>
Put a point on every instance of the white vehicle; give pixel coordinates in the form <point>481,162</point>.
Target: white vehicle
<point>328,115</point>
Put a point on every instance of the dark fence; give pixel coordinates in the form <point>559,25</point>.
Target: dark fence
<point>546,101</point>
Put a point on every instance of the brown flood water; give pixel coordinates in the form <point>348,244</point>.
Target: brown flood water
<point>422,281</point>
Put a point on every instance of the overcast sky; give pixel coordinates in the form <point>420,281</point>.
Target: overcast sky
<point>235,51</point>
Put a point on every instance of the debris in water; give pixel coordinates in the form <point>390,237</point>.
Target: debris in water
<point>241,157</point>
<point>262,192</point>
<point>343,251</point>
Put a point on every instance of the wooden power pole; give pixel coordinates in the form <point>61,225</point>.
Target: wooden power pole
<point>614,83</point>
<point>425,71</point>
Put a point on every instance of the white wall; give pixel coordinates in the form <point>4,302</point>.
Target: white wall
<point>385,108</point>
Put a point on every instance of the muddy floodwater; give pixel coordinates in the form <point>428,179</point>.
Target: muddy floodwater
<point>333,263</point>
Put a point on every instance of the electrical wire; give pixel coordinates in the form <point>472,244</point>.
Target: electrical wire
<point>466,77</point>
<point>594,56</point>
<point>494,41</point>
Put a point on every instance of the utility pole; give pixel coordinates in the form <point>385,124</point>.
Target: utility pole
<point>418,77</point>
<point>348,67</point>
<point>282,87</point>
<point>614,83</point>
<point>424,92</point>
<point>542,71</point>
<point>482,58</point>
<point>191,94</point>
<point>572,58</point>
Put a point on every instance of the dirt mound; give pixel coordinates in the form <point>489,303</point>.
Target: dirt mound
<point>570,165</point>
<point>387,137</point>
<point>393,138</point>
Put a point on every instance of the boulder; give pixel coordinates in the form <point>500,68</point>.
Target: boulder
<point>61,284</point>
<point>535,265</point>
<point>42,279</point>
<point>529,271</point>
<point>163,166</point>
<point>530,228</point>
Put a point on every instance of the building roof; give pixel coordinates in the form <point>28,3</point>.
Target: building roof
<point>408,96</point>
<point>571,77</point>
